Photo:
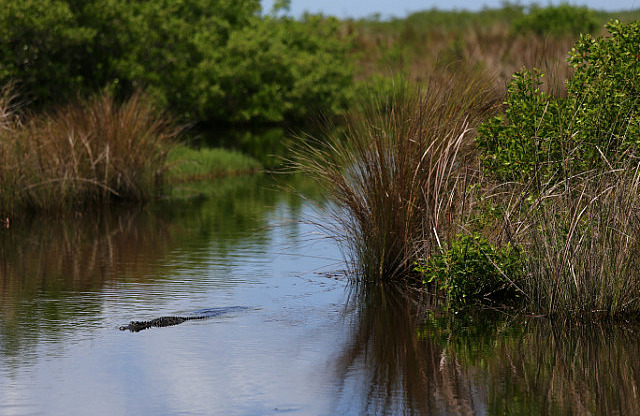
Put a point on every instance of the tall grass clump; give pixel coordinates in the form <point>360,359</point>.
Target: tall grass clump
<point>396,176</point>
<point>88,152</point>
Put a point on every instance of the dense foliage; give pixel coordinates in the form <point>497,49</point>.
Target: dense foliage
<point>569,170</point>
<point>211,60</point>
<point>596,125</point>
<point>471,269</point>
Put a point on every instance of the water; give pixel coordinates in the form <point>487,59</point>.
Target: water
<point>308,342</point>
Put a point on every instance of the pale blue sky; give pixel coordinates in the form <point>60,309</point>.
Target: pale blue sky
<point>400,8</point>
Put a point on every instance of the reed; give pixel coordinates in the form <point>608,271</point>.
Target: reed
<point>88,152</point>
<point>582,239</point>
<point>396,176</point>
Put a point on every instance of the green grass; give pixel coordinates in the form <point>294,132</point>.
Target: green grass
<point>189,164</point>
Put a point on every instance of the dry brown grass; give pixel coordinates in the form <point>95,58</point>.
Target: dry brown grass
<point>87,152</point>
<point>582,239</point>
<point>490,50</point>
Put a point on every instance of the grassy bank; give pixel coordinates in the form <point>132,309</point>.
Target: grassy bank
<point>189,164</point>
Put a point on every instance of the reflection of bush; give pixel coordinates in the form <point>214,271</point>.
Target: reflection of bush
<point>534,367</point>
<point>432,362</point>
<point>403,370</point>
<point>586,370</point>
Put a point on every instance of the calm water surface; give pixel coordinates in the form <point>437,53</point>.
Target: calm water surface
<point>308,342</point>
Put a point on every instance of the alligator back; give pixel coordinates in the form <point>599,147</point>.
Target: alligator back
<point>136,326</point>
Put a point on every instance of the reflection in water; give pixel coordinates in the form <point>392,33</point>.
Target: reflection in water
<point>54,274</point>
<point>43,262</point>
<point>403,360</point>
<point>592,370</point>
<point>392,368</point>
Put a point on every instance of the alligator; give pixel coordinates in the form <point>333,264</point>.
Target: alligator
<point>136,326</point>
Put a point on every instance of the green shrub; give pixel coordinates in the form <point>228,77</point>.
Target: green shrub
<point>556,20</point>
<point>277,69</point>
<point>605,88</point>
<point>42,46</point>
<point>471,269</point>
<point>594,127</point>
<point>525,139</point>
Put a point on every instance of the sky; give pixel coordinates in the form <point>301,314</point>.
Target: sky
<point>401,8</point>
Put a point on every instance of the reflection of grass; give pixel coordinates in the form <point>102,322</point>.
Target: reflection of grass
<point>193,164</point>
<point>70,261</point>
